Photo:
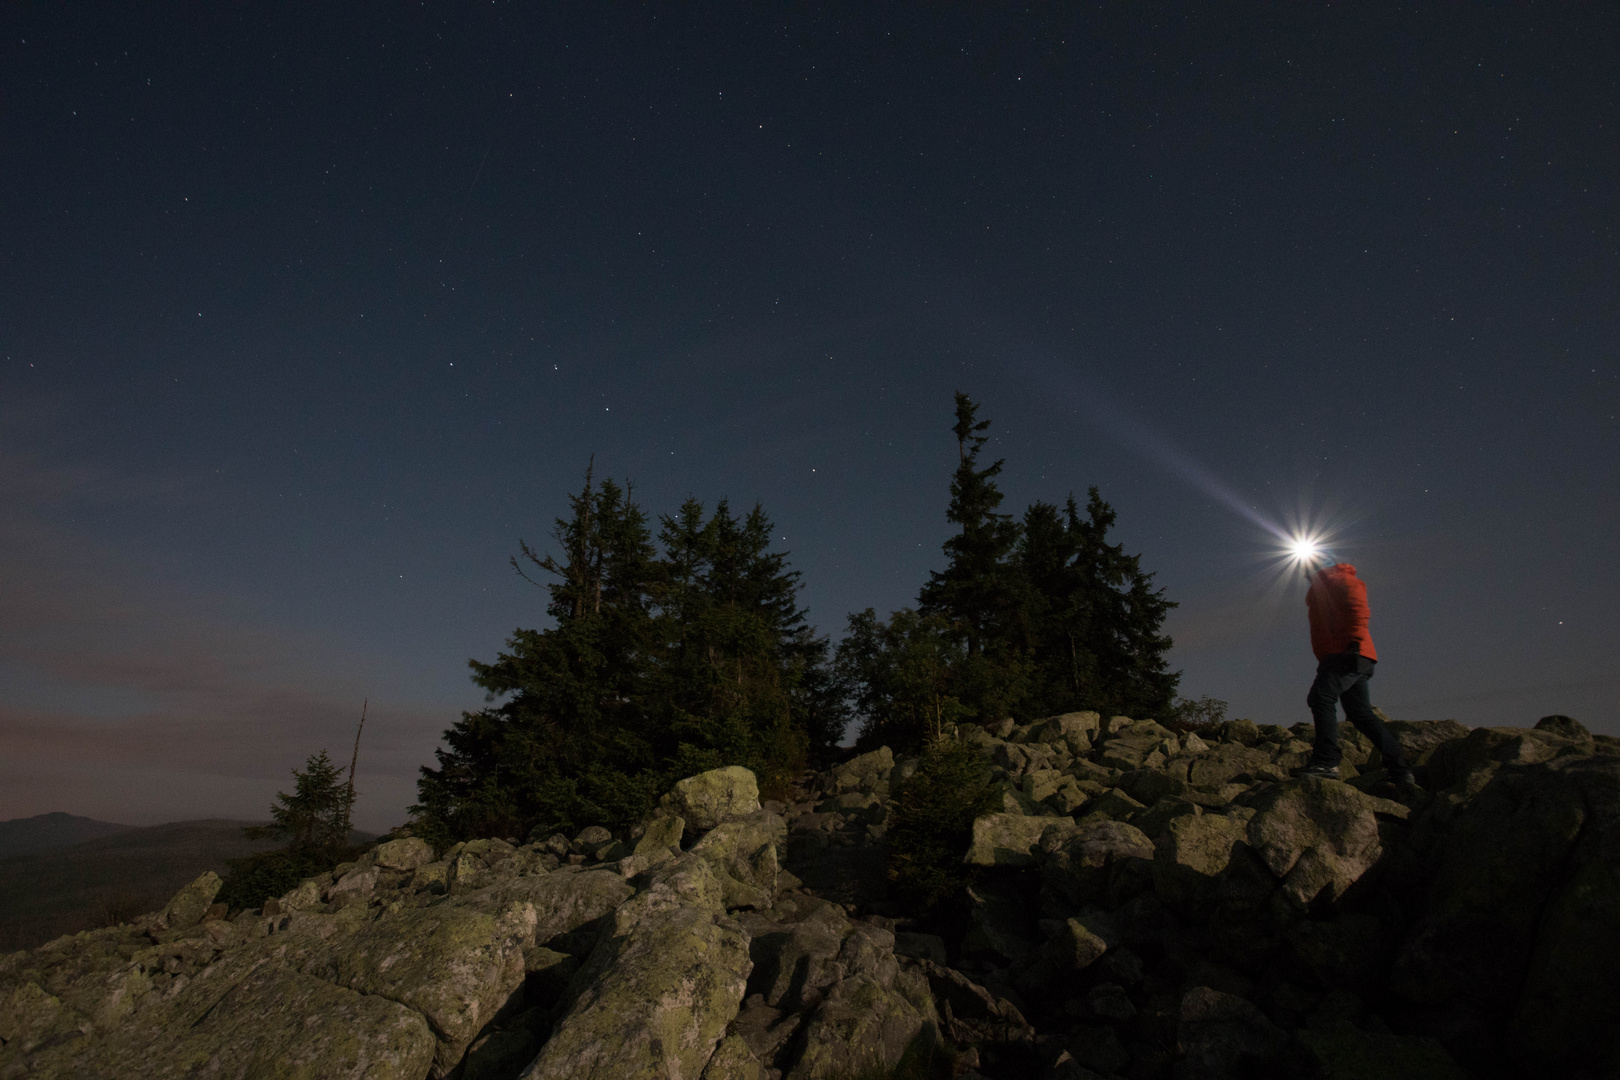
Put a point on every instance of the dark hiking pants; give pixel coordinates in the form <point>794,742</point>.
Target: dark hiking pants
<point>1343,678</point>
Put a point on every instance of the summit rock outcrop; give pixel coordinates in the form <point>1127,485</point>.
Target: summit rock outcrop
<point>1144,903</point>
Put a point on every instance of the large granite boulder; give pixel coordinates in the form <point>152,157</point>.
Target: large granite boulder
<point>707,799</point>
<point>1468,763</point>
<point>744,855</point>
<point>1522,919</point>
<point>1096,859</point>
<point>864,772</point>
<point>406,853</point>
<point>1224,1037</point>
<point>871,1017</point>
<point>562,902</point>
<point>188,906</point>
<point>657,993</point>
<point>455,964</point>
<point>1190,857</point>
<point>1009,839</point>
<point>1319,836</point>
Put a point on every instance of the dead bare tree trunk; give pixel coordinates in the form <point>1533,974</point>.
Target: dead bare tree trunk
<point>348,812</point>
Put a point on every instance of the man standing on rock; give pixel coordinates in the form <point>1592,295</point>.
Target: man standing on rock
<point>1337,604</point>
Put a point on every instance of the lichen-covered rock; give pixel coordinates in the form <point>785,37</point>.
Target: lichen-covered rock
<point>707,799</point>
<point>191,903</point>
<point>357,883</point>
<point>869,1019</point>
<point>429,876</point>
<point>1156,819</point>
<point>1111,805</point>
<point>1148,786</point>
<point>1228,762</point>
<point>282,1025</point>
<point>1083,869</point>
<point>1076,730</point>
<point>1190,857</point>
<point>663,835</point>
<point>406,853</point>
<point>1471,761</point>
<point>1072,947</point>
<point>970,1013</point>
<point>1008,839</point>
<point>867,771</point>
<point>733,1060</point>
<point>1319,835</point>
<point>476,864</point>
<point>1130,752</point>
<point>658,991</point>
<point>562,902</point>
<point>795,963</point>
<point>743,855</point>
<point>1420,738</point>
<point>30,1018</point>
<point>1002,927</point>
<point>451,962</point>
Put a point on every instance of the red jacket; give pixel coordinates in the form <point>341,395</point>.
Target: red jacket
<point>1337,603</point>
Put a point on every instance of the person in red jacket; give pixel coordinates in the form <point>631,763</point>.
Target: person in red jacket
<point>1337,605</point>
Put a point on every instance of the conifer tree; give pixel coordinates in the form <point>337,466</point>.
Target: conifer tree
<point>737,644</point>
<point>314,823</point>
<point>976,591</point>
<point>904,676</point>
<point>314,819</point>
<point>570,742</point>
<point>1092,625</point>
<point>656,667</point>
<point>980,593</point>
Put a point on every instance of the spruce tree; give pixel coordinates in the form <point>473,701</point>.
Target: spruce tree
<point>975,591</point>
<point>569,745</point>
<point>905,677</point>
<point>737,647</point>
<point>980,591</point>
<point>655,668</point>
<point>314,823</point>
<point>314,819</point>
<point>1093,618</point>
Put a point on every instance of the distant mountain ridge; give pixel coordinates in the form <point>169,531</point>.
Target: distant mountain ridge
<point>115,875</point>
<point>49,832</point>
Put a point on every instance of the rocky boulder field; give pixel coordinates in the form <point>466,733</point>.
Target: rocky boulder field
<point>1145,904</point>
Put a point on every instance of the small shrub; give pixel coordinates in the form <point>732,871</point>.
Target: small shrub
<point>931,822</point>
<point>254,879</point>
<point>1196,715</point>
<point>124,905</point>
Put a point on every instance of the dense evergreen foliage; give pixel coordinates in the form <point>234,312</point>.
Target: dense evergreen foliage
<point>665,659</point>
<point>931,823</point>
<point>1029,617</point>
<point>675,653</point>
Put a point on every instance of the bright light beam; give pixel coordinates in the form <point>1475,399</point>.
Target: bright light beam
<point>1109,414</point>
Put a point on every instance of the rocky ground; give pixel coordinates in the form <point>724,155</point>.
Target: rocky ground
<point>1147,905</point>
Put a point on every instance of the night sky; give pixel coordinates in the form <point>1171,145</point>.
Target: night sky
<point>309,314</point>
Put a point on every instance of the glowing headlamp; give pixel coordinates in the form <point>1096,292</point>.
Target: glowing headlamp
<point>1307,551</point>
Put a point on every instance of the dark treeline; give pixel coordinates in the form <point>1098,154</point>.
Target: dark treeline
<point>680,653</point>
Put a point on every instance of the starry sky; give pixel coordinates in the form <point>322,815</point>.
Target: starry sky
<point>308,313</point>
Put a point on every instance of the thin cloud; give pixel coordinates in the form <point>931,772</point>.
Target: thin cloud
<point>128,697</point>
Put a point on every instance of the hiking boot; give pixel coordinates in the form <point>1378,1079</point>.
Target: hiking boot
<point>1321,772</point>
<point>1405,779</point>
